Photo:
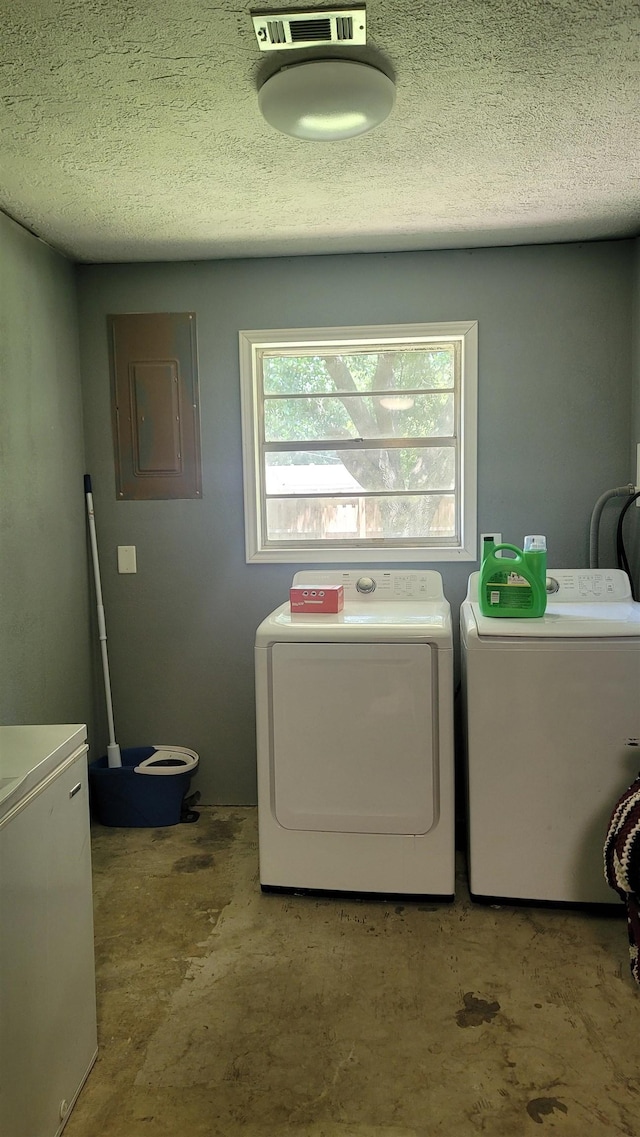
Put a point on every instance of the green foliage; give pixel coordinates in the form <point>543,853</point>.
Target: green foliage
<point>422,369</point>
<point>351,396</point>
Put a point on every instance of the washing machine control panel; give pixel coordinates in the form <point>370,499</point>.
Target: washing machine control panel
<point>373,585</point>
<point>584,585</point>
<point>392,585</point>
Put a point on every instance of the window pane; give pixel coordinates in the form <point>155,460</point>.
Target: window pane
<point>350,471</point>
<point>406,369</point>
<point>325,519</point>
<point>359,416</point>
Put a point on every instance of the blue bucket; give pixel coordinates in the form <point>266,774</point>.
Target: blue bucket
<point>146,792</point>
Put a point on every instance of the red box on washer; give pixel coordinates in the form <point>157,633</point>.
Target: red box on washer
<point>317,598</point>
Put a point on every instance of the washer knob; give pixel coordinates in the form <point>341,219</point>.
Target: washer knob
<point>552,585</point>
<point>366,584</point>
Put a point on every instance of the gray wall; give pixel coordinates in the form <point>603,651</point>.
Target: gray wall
<point>44,629</point>
<point>554,414</point>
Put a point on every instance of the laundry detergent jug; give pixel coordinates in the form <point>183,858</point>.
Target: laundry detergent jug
<point>514,586</point>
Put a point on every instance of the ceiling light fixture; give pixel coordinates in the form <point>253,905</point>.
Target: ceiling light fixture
<point>325,100</point>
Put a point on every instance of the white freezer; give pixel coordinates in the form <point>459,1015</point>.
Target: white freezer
<point>48,1038</point>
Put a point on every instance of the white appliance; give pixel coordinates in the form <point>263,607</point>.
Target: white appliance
<point>48,1039</point>
<point>355,739</point>
<point>552,716</point>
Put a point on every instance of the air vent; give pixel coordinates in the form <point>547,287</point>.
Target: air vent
<point>282,31</point>
<point>310,31</point>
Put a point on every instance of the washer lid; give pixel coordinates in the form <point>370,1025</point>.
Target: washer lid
<point>386,620</point>
<point>380,605</point>
<point>581,604</point>
<point>566,621</point>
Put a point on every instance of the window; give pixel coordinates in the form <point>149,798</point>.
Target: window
<point>360,443</point>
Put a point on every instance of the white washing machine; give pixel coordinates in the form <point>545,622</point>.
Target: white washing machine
<point>355,739</point>
<point>552,717</point>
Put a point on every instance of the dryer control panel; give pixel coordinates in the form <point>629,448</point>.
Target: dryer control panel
<point>584,585</point>
<point>375,584</point>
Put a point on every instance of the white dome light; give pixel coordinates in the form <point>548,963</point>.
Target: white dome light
<point>325,100</point>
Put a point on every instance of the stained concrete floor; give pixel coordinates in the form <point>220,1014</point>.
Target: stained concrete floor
<point>223,1011</point>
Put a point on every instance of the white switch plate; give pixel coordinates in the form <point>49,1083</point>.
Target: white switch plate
<point>497,540</point>
<point>127,558</point>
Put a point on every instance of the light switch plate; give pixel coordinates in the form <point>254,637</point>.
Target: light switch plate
<point>127,558</point>
<point>497,540</point>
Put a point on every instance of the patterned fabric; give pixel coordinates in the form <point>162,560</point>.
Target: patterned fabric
<point>622,864</point>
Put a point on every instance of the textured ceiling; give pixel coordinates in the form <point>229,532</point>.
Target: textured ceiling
<point>130,130</point>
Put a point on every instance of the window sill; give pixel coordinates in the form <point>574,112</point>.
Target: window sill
<point>353,556</point>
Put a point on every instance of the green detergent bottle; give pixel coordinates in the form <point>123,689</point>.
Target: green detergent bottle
<point>514,586</point>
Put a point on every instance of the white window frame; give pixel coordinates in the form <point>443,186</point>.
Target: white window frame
<point>357,552</point>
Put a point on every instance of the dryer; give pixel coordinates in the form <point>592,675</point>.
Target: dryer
<point>355,739</point>
<point>552,718</point>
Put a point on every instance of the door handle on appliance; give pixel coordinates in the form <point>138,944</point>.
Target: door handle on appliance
<point>75,790</point>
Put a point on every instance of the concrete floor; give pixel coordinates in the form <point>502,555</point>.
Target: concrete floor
<point>223,1011</point>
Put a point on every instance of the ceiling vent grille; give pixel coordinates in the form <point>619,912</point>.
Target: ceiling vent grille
<point>282,31</point>
<point>303,31</point>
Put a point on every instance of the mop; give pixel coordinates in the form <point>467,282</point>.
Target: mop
<point>159,760</point>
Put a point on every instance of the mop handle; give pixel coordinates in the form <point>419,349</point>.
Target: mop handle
<point>113,750</point>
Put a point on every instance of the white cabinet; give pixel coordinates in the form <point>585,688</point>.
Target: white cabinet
<point>48,1039</point>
